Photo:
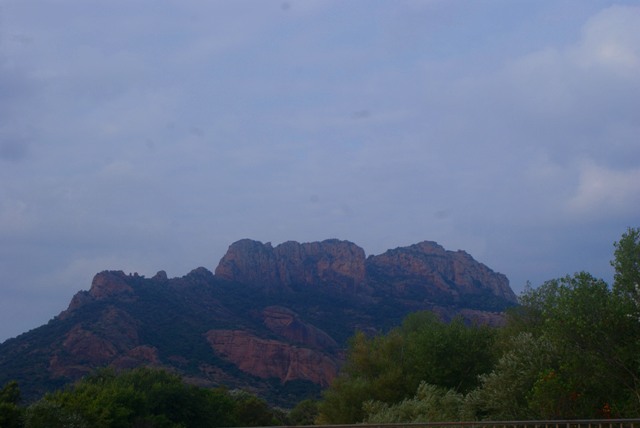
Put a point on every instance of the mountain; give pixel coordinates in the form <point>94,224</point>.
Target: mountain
<point>272,320</point>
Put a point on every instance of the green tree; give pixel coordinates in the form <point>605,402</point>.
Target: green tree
<point>627,269</point>
<point>389,368</point>
<point>577,357</point>
<point>430,403</point>
<point>504,392</point>
<point>597,344</point>
<point>250,411</point>
<point>304,413</point>
<point>626,289</point>
<point>50,414</point>
<point>627,260</point>
<point>11,414</point>
<point>449,355</point>
<point>373,371</point>
<point>140,397</point>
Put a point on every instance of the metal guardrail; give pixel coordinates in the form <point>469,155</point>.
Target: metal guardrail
<point>572,423</point>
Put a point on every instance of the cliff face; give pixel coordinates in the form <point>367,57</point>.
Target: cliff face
<point>270,316</point>
<point>336,265</point>
<point>286,323</point>
<point>427,270</point>
<point>424,270</point>
<point>269,358</point>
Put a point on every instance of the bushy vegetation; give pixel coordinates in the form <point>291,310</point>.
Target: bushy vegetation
<point>10,412</point>
<point>569,350</point>
<point>389,368</point>
<point>142,397</point>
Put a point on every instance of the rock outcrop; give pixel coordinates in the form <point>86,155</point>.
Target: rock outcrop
<point>424,270</point>
<point>108,284</point>
<point>427,270</point>
<point>84,347</point>
<point>337,265</point>
<point>287,324</point>
<point>105,285</point>
<point>268,358</point>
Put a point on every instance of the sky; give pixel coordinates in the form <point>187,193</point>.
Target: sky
<point>150,135</point>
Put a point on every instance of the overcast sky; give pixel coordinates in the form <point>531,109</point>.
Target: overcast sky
<point>150,135</point>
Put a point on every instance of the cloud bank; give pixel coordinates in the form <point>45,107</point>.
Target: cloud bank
<point>151,136</point>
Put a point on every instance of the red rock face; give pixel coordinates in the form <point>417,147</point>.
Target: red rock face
<point>105,285</point>
<point>84,348</point>
<point>108,284</point>
<point>287,324</point>
<point>436,271</point>
<point>250,262</point>
<point>341,266</point>
<point>332,263</point>
<point>140,355</point>
<point>272,359</point>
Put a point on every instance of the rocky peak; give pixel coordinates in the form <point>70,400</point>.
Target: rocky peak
<point>108,284</point>
<point>426,247</point>
<point>249,262</point>
<point>426,269</point>
<point>199,275</point>
<point>420,271</point>
<point>161,276</point>
<point>336,264</point>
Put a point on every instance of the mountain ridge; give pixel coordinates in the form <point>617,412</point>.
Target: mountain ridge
<point>272,320</point>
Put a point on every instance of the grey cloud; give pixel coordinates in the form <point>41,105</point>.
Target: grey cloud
<point>197,124</point>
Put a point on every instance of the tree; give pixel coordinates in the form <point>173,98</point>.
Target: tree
<point>627,268</point>
<point>250,411</point>
<point>389,368</point>
<point>49,414</point>
<point>626,288</point>
<point>10,412</point>
<point>586,364</point>
<point>373,371</point>
<point>504,393</point>
<point>449,355</point>
<point>140,397</point>
<point>304,413</point>
<point>430,403</point>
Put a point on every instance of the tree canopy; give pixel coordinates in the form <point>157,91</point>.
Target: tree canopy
<point>389,368</point>
<point>141,397</point>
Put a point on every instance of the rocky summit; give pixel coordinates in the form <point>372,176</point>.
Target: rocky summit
<point>272,320</point>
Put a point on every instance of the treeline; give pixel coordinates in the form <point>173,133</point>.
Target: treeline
<point>571,349</point>
<point>142,397</point>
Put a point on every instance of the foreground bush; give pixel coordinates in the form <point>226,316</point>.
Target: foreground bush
<point>144,397</point>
